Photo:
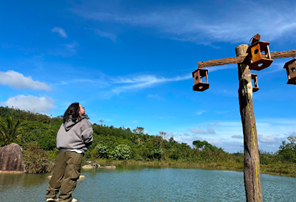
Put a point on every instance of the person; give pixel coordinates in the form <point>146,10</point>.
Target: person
<point>73,139</point>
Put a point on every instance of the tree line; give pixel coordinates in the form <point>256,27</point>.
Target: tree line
<point>34,131</point>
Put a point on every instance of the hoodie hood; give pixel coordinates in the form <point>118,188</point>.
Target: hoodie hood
<point>70,123</point>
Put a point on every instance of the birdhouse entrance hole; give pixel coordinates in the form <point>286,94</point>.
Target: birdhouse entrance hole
<point>259,55</point>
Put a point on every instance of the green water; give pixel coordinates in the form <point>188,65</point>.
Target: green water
<point>139,183</point>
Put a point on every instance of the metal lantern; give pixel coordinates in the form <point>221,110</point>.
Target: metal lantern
<point>291,71</point>
<point>254,78</point>
<point>199,85</point>
<point>259,55</point>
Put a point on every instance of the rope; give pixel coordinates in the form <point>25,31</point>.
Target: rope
<point>250,41</point>
<point>246,93</point>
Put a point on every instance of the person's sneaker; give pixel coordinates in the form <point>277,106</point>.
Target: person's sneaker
<point>51,200</point>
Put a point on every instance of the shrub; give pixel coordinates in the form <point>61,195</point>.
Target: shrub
<point>36,160</point>
<point>121,152</point>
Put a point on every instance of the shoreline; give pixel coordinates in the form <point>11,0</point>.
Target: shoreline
<point>264,169</point>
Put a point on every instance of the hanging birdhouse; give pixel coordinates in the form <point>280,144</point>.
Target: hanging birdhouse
<point>291,71</point>
<point>259,55</point>
<point>199,84</point>
<point>254,79</point>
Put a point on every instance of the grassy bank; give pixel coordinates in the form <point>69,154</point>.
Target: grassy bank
<point>282,169</point>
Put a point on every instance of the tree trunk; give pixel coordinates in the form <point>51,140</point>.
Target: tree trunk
<point>251,153</point>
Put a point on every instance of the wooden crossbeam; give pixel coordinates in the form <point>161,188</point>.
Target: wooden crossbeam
<point>240,59</point>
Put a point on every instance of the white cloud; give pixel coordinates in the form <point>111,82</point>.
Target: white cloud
<point>135,121</point>
<point>266,139</point>
<point>106,34</point>
<point>229,135</point>
<point>19,81</point>
<point>191,24</point>
<point>238,137</point>
<point>120,84</point>
<point>210,131</point>
<point>216,142</point>
<point>200,112</point>
<point>66,50</point>
<point>197,131</point>
<point>31,103</point>
<point>155,96</point>
<point>138,82</point>
<point>60,31</point>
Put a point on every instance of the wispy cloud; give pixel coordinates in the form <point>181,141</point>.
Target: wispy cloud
<point>139,82</point>
<point>19,81</point>
<point>229,135</point>
<point>106,34</point>
<point>199,131</point>
<point>121,84</point>
<point>188,24</point>
<point>200,112</point>
<point>266,139</point>
<point>66,50</point>
<point>60,31</point>
<point>155,96</point>
<point>237,137</point>
<point>30,103</point>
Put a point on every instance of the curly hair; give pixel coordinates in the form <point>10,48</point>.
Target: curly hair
<point>72,113</point>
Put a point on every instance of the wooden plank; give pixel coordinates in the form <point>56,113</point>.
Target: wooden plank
<point>240,59</point>
<point>283,54</point>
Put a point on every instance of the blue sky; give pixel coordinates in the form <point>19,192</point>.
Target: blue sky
<point>130,63</point>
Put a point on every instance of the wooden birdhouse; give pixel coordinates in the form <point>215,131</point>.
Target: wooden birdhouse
<point>254,79</point>
<point>291,71</point>
<point>199,84</point>
<point>259,55</point>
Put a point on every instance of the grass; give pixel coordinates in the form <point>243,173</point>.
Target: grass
<point>282,169</point>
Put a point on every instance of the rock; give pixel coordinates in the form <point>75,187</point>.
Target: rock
<point>11,158</point>
<point>80,177</point>
<point>90,166</point>
<point>108,166</point>
<point>87,161</point>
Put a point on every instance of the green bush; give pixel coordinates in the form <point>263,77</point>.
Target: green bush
<point>36,160</point>
<point>121,152</point>
<point>102,150</point>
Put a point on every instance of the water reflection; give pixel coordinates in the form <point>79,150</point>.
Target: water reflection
<point>8,180</point>
<point>154,183</point>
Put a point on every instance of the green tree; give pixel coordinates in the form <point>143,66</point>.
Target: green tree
<point>121,152</point>
<point>102,151</point>
<point>9,129</point>
<point>205,146</point>
<point>139,130</point>
<point>288,150</point>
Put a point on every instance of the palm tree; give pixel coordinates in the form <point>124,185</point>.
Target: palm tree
<point>9,129</point>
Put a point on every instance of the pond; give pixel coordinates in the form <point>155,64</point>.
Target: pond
<point>142,183</point>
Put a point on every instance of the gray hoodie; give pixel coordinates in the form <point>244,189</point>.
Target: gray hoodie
<point>75,135</point>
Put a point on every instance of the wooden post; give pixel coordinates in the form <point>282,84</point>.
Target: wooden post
<point>251,153</point>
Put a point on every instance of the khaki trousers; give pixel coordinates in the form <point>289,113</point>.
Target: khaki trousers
<point>65,175</point>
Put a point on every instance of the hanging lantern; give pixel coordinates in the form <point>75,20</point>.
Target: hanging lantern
<point>198,75</point>
<point>254,78</point>
<point>259,55</point>
<point>291,71</point>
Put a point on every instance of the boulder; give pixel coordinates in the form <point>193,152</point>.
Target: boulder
<point>11,158</point>
<point>87,161</point>
<point>90,166</point>
<point>108,166</point>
